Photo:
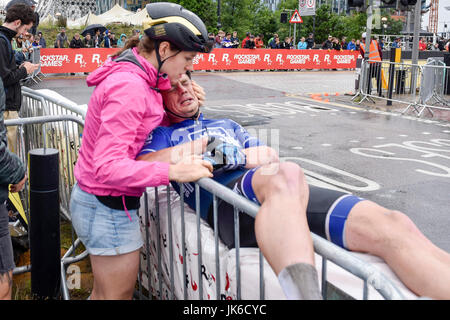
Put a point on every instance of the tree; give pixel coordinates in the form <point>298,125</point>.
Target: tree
<point>205,9</point>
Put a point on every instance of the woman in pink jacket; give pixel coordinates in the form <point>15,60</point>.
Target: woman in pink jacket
<point>124,108</point>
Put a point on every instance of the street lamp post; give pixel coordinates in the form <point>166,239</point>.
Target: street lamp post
<point>219,23</point>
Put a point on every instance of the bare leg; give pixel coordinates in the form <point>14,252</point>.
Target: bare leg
<point>5,285</point>
<point>281,227</point>
<point>114,276</point>
<point>391,235</point>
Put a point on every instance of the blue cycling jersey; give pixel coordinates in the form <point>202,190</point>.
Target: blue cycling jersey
<point>189,130</point>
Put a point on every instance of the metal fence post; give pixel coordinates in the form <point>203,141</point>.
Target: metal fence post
<point>45,248</point>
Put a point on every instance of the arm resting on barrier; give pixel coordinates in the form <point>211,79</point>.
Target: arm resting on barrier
<point>176,153</point>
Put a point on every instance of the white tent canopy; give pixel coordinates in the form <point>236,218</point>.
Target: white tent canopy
<point>48,19</point>
<point>93,19</point>
<point>115,14</point>
<point>138,18</point>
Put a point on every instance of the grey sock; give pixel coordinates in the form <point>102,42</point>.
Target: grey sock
<point>300,282</point>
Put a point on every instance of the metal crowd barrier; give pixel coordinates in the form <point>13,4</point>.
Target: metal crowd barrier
<point>50,122</point>
<point>35,57</point>
<point>370,275</point>
<point>50,131</point>
<point>420,87</point>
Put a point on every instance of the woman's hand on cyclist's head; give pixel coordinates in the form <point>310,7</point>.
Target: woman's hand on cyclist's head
<point>199,92</point>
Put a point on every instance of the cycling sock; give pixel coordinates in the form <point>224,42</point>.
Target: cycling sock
<point>299,281</point>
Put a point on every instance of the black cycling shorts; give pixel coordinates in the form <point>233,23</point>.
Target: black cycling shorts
<point>326,214</point>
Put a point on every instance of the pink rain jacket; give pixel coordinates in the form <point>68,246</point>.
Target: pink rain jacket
<point>122,111</point>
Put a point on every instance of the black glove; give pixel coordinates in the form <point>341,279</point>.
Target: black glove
<point>224,154</point>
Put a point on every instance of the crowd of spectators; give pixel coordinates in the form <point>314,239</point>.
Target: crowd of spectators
<point>108,39</point>
<point>251,41</point>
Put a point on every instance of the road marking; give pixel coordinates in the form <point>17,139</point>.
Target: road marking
<point>324,102</point>
<point>370,185</point>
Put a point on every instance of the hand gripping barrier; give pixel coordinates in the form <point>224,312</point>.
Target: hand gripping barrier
<point>51,121</point>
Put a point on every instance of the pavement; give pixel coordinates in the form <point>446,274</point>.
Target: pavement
<point>399,161</point>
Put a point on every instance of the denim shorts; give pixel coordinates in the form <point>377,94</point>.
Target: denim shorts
<point>6,249</point>
<point>103,231</point>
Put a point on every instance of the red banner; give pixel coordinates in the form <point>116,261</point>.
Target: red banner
<point>248,59</point>
<point>73,60</point>
<point>87,60</point>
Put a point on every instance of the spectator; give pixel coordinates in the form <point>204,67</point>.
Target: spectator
<point>396,43</point>
<point>29,38</point>
<point>88,42</point>
<point>98,39</point>
<point>328,44</point>
<point>12,172</point>
<point>259,41</point>
<point>358,45</point>
<point>122,40</point>
<point>113,40</point>
<point>36,19</point>
<point>19,18</point>
<point>250,43</point>
<point>245,39</point>
<point>226,42</point>
<point>441,44</point>
<point>286,43</point>
<point>275,43</point>
<point>271,39</point>
<point>76,42</point>
<point>42,41</point>
<point>302,45</point>
<point>218,40</point>
<point>235,40</point>
<point>422,44</point>
<point>106,41</point>
<point>36,41</point>
<point>336,44</point>
<point>136,32</point>
<point>20,51</point>
<point>310,41</point>
<point>344,43</point>
<point>351,45</point>
<point>61,39</point>
<point>435,47</point>
<point>382,44</point>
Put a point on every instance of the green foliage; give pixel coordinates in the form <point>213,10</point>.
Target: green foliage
<point>252,16</point>
<point>205,9</point>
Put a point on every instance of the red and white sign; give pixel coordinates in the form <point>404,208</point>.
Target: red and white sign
<point>248,59</point>
<point>87,60</point>
<point>296,18</point>
<point>73,60</point>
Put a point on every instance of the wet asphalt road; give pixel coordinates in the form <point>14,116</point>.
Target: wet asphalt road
<point>400,162</point>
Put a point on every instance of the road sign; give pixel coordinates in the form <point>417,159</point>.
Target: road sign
<point>296,18</point>
<point>307,7</point>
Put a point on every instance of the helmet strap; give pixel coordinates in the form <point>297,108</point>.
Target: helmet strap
<point>160,63</point>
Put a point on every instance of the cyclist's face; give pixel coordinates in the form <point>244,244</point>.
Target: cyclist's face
<point>181,99</point>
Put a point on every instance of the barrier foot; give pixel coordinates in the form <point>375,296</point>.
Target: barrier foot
<point>412,105</point>
<point>423,109</point>
<point>366,97</point>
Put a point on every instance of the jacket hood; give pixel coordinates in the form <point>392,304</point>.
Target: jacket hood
<point>129,61</point>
